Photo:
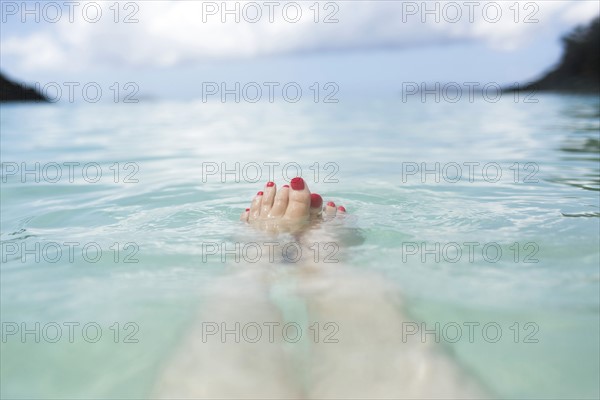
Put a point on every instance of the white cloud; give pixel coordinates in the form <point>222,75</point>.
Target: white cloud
<point>35,51</point>
<point>173,33</point>
<point>581,12</point>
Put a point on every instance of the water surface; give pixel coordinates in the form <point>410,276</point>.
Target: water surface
<point>544,219</point>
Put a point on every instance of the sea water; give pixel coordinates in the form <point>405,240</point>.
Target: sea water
<point>482,217</point>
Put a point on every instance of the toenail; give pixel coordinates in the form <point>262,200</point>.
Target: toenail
<point>247,209</point>
<point>287,186</point>
<point>316,201</point>
<point>331,204</point>
<point>341,208</point>
<point>270,184</point>
<point>259,193</point>
<point>297,183</point>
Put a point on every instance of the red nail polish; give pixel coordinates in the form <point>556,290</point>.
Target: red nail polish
<point>270,184</point>
<point>247,209</point>
<point>331,204</point>
<point>316,201</point>
<point>287,186</point>
<point>341,208</point>
<point>297,183</point>
<point>259,193</point>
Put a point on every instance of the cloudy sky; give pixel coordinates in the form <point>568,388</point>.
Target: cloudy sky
<point>366,46</point>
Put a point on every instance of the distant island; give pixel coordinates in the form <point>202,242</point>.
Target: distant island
<point>579,68</point>
<point>12,91</point>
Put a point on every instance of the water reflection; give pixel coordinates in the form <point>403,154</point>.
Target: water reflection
<point>579,156</point>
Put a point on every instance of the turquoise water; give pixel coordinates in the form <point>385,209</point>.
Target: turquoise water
<point>166,204</point>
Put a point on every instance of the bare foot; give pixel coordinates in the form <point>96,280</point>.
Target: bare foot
<point>289,209</point>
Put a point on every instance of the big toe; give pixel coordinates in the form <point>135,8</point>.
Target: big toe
<point>299,200</point>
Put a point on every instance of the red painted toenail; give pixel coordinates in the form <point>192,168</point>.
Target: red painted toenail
<point>331,204</point>
<point>270,184</point>
<point>259,193</point>
<point>287,186</point>
<point>297,183</point>
<point>341,208</point>
<point>316,201</point>
<point>247,209</point>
